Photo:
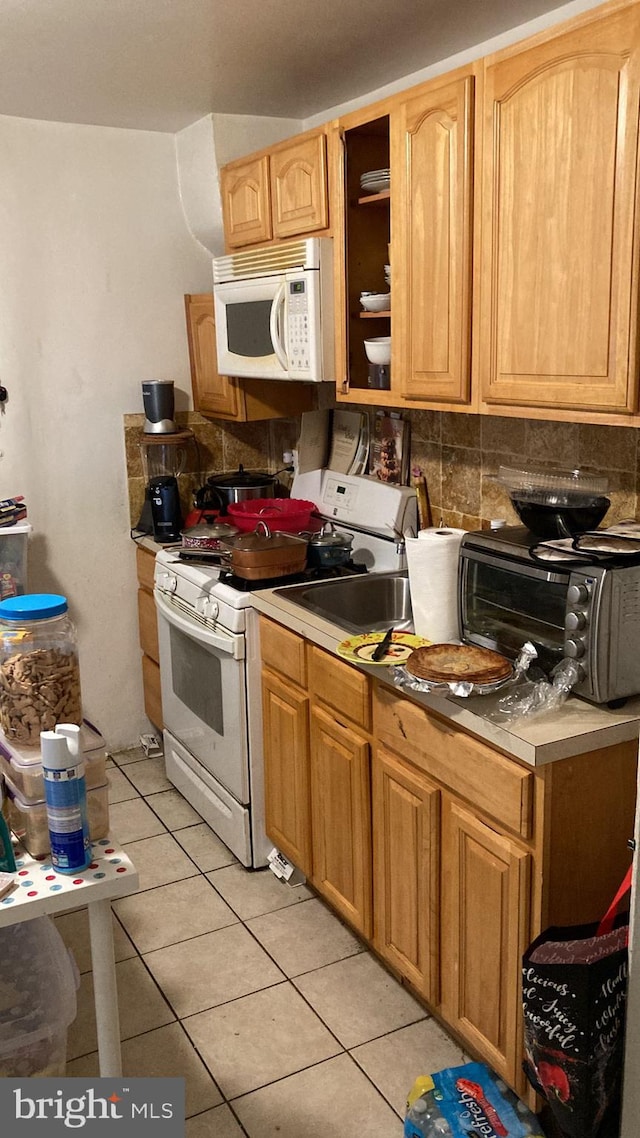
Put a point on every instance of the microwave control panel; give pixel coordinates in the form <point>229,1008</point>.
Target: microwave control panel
<point>298,324</point>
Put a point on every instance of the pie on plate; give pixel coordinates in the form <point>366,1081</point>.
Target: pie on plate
<point>453,663</point>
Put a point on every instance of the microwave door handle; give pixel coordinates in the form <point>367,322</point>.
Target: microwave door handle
<point>277,309</point>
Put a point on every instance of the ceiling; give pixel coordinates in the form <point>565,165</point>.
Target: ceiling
<point>163,64</point>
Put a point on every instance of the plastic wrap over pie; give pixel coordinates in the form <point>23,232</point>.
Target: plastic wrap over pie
<point>455,663</point>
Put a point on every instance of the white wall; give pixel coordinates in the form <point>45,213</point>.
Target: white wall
<point>95,258</point>
<point>563,12</point>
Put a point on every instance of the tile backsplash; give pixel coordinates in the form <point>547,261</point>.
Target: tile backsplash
<point>220,446</point>
<point>458,453</point>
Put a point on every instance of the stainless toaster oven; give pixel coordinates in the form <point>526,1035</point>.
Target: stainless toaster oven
<point>590,614</point>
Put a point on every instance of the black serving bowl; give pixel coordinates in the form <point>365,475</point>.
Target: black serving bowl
<point>565,517</point>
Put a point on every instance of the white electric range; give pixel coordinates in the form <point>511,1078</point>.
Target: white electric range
<point>210,658</point>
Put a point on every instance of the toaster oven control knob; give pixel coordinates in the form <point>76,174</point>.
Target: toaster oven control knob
<point>574,649</point>
<point>574,621</point>
<point>577,594</point>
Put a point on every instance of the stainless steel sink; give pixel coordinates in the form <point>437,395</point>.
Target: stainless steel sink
<point>358,604</point>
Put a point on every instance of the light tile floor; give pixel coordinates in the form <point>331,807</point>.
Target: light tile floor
<point>280,1020</point>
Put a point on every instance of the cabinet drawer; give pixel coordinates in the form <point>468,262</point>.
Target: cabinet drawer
<point>145,564</point>
<point>283,651</point>
<point>342,687</point>
<point>494,784</point>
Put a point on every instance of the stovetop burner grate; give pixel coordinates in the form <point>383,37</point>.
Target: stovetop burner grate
<point>242,585</point>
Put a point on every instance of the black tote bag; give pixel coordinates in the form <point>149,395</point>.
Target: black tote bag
<point>574,987</point>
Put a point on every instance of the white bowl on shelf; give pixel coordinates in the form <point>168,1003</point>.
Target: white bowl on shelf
<point>378,349</point>
<point>375,301</point>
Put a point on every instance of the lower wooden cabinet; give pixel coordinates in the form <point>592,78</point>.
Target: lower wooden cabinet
<point>444,853</point>
<point>341,817</point>
<point>406,871</point>
<point>285,716</point>
<point>485,903</point>
<point>148,633</point>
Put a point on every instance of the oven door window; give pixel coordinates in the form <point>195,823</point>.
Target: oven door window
<point>504,609</point>
<point>204,705</point>
<point>197,680</point>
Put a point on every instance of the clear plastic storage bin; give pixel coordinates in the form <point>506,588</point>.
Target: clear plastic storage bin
<point>28,820</point>
<point>13,560</point>
<point>23,765</point>
<point>37,1000</point>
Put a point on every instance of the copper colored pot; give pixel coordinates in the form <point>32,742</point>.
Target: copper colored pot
<point>263,554</point>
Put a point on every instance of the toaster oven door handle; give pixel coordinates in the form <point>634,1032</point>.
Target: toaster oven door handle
<point>192,627</point>
<point>512,566</point>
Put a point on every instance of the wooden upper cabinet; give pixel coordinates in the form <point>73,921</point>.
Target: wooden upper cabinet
<point>212,393</point>
<point>246,202</point>
<point>280,193</point>
<point>557,320</point>
<point>432,229</point>
<point>299,186</point>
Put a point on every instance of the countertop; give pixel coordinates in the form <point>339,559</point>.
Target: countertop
<point>576,728</point>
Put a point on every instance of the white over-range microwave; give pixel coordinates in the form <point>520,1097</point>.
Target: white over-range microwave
<point>274,311</point>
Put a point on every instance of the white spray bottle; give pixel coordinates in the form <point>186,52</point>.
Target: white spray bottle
<point>66,798</point>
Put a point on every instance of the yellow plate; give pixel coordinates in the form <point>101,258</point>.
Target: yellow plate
<point>359,649</point>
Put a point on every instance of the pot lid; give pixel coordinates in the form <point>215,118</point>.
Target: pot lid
<point>329,536</point>
<point>215,529</point>
<point>263,538</point>
<point>241,477</point>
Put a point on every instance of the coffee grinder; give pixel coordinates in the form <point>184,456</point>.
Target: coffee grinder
<point>157,396</point>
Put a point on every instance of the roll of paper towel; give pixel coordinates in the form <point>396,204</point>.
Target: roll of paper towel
<point>432,561</point>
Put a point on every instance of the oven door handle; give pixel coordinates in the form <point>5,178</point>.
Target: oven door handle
<point>231,645</point>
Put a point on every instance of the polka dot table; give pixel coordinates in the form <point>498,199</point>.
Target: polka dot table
<point>40,891</point>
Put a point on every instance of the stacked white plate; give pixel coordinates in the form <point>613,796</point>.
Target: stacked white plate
<point>387,274</point>
<point>375,181</point>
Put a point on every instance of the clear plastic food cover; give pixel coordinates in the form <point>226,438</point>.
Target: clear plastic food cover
<point>537,697</point>
<point>464,688</point>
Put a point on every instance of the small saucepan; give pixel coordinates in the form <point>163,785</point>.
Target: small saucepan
<point>328,548</point>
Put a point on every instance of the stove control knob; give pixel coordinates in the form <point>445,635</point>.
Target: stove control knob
<point>214,609</point>
<point>577,594</point>
<point>574,621</point>
<point>574,649</point>
<point>167,582</point>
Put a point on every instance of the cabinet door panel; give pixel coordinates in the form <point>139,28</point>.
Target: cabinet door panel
<point>558,265</point>
<point>246,205</point>
<point>299,187</point>
<point>432,155</point>
<point>406,856</point>
<point>340,796</point>
<point>485,914</point>
<point>286,769</point>
<point>212,393</point>
<point>148,625</point>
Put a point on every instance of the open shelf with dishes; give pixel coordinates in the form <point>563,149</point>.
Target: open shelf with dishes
<point>367,234</point>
